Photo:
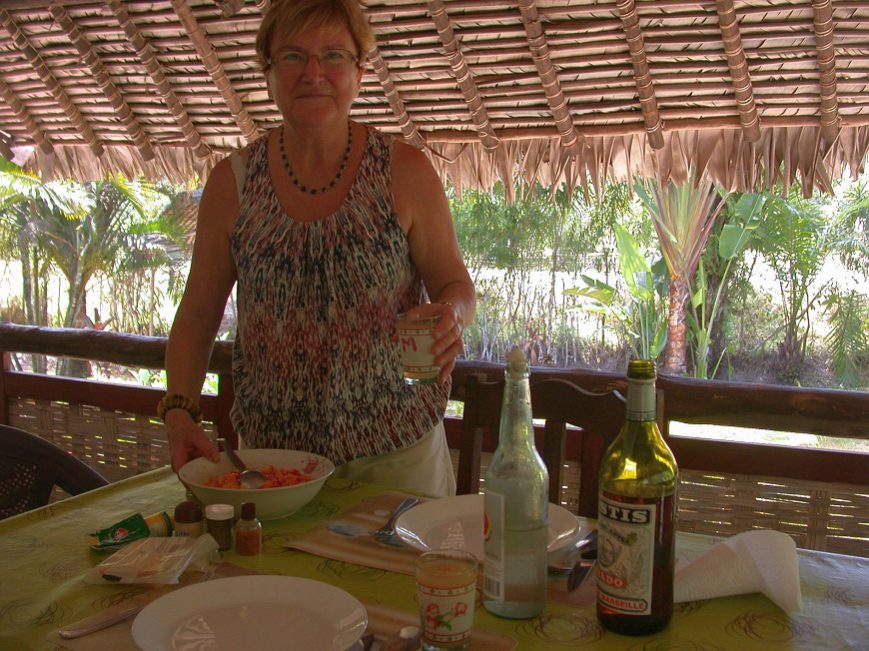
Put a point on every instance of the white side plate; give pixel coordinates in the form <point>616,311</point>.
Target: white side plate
<point>266,613</point>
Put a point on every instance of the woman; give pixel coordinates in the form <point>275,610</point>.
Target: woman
<point>330,230</point>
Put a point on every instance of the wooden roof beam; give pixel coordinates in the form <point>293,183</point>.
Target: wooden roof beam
<point>41,69</point>
<point>738,65</point>
<point>823,21</point>
<point>642,76</point>
<point>6,150</point>
<point>25,118</point>
<point>408,128</point>
<point>453,53</point>
<point>228,8</point>
<point>570,137</point>
<point>215,68</point>
<point>146,55</point>
<point>104,81</point>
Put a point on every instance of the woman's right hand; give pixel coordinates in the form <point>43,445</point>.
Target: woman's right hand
<point>187,440</point>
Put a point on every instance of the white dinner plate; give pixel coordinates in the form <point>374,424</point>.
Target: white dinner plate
<point>265,612</point>
<point>457,523</point>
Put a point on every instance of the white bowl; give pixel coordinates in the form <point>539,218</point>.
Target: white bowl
<point>271,503</point>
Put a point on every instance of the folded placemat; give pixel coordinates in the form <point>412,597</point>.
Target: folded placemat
<point>342,539</point>
<point>348,537</point>
<point>383,621</point>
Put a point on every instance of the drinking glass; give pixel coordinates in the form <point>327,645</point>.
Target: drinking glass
<point>415,340</point>
<point>446,589</point>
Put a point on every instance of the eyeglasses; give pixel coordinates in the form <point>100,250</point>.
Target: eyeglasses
<point>334,60</point>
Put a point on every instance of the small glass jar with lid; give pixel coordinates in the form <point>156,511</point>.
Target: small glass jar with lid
<point>188,519</point>
<point>218,521</point>
<point>248,531</point>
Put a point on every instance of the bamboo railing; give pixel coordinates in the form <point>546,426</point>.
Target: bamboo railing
<point>112,425</point>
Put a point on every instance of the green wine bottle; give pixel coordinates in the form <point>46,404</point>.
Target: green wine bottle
<point>637,517</point>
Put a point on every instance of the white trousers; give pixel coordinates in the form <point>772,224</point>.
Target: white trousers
<point>423,467</point>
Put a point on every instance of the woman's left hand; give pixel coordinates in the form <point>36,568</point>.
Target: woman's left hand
<point>447,335</point>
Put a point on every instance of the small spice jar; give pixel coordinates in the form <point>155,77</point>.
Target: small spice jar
<point>188,519</point>
<point>248,531</point>
<point>218,521</point>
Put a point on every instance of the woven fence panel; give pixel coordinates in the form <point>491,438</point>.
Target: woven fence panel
<point>116,444</point>
<point>822,516</point>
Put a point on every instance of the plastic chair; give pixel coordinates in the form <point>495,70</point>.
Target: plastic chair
<point>30,468</point>
<point>559,403</point>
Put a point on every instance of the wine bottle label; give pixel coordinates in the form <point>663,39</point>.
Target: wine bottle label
<point>641,399</point>
<point>493,537</point>
<point>626,546</point>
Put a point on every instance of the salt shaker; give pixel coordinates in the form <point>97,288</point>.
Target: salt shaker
<point>188,519</point>
<point>218,520</point>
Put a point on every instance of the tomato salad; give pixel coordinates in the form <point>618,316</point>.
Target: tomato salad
<point>275,478</point>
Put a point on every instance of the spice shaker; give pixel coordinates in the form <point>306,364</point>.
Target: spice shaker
<point>218,521</point>
<point>248,531</point>
<point>188,519</point>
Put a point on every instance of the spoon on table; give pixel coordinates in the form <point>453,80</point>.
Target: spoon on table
<point>247,478</point>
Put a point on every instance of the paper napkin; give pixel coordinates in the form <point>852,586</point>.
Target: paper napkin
<point>762,561</point>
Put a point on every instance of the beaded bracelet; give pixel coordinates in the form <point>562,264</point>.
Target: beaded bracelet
<point>177,401</point>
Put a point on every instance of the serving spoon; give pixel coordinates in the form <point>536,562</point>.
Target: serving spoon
<point>246,477</point>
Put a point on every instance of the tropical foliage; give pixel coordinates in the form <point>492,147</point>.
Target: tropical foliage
<point>576,280</point>
<point>116,227</point>
<point>683,216</point>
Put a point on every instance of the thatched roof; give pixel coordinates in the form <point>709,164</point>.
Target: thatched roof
<point>753,91</point>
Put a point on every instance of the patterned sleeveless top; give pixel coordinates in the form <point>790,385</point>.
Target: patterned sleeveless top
<point>314,364</point>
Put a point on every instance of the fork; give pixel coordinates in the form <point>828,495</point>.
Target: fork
<point>387,531</point>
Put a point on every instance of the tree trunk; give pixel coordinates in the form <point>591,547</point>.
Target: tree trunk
<point>75,318</point>
<point>675,354</point>
<point>27,283</point>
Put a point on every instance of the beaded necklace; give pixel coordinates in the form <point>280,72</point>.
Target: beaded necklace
<point>331,183</point>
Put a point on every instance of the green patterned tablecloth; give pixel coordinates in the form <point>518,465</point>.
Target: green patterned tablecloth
<point>44,558</point>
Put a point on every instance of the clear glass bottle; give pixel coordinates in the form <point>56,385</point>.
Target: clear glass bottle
<point>248,531</point>
<point>637,517</point>
<point>516,498</point>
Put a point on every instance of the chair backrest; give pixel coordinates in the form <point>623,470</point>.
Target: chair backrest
<point>559,403</point>
<point>30,467</point>
<point>599,415</point>
<point>481,419</point>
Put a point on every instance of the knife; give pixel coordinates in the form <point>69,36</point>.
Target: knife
<point>579,573</point>
<point>586,548</point>
<point>101,620</point>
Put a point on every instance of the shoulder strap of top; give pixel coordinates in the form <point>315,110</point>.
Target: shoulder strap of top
<point>239,170</point>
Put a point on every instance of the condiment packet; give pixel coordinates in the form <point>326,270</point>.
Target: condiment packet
<point>155,561</point>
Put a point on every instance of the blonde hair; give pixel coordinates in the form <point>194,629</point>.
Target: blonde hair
<point>286,18</point>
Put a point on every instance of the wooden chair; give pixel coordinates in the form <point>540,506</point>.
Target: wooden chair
<point>599,415</point>
<point>30,468</point>
<point>481,419</point>
<point>559,403</point>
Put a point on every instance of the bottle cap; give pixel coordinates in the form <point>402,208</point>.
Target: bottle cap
<point>517,367</point>
<point>188,512</point>
<point>219,511</point>
<point>248,510</point>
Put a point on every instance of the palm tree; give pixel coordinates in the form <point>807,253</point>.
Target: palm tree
<point>162,244</point>
<point>683,216</point>
<point>24,200</point>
